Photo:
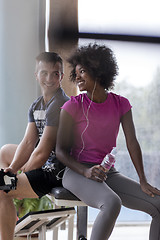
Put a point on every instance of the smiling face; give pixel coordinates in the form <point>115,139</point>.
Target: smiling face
<point>49,76</point>
<point>84,80</point>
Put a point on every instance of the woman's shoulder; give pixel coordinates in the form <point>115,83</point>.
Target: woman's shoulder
<point>74,100</point>
<point>117,97</point>
<point>73,105</point>
<point>77,98</point>
<point>121,102</point>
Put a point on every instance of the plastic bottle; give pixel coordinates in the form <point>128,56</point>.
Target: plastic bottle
<point>109,159</point>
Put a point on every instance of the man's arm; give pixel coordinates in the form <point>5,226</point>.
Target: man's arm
<point>41,153</point>
<point>25,148</point>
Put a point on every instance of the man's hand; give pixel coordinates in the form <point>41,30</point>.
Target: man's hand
<point>97,173</point>
<point>8,181</point>
<point>10,169</point>
<point>148,189</point>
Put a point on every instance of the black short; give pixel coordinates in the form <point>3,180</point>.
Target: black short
<point>43,181</point>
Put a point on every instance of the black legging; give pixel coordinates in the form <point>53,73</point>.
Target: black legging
<point>108,198</point>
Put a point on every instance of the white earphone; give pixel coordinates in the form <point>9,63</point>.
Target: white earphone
<point>87,120</point>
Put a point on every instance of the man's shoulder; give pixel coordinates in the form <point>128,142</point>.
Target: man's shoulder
<point>60,97</point>
<point>58,101</point>
<point>36,102</point>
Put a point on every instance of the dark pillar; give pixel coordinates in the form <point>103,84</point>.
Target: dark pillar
<point>63,26</point>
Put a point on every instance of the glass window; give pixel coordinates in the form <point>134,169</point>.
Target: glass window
<point>139,17</point>
<point>139,81</point>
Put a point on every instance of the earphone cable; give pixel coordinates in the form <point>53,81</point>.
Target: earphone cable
<point>86,116</point>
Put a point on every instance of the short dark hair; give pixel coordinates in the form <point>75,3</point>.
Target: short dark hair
<point>49,57</point>
<point>98,60</point>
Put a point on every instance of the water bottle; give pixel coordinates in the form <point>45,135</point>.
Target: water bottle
<point>109,159</point>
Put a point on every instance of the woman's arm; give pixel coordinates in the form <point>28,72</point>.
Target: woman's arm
<point>135,152</point>
<point>64,145</point>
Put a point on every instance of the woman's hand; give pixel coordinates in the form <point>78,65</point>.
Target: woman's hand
<point>97,173</point>
<point>148,189</point>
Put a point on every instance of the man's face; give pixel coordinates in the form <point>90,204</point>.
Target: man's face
<point>49,76</point>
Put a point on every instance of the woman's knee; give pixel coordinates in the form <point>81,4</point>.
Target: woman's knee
<point>116,204</point>
<point>113,204</point>
<point>154,207</point>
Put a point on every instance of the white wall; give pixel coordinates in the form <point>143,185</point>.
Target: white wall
<point>20,36</point>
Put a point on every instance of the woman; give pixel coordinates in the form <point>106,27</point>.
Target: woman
<point>89,124</point>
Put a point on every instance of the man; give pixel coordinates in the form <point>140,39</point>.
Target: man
<point>35,154</point>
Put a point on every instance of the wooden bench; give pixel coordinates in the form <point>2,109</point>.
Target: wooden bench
<point>64,198</point>
<point>41,221</point>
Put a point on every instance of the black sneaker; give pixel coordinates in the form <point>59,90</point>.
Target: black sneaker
<point>82,238</point>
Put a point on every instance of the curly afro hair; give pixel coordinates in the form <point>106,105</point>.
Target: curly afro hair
<point>99,61</point>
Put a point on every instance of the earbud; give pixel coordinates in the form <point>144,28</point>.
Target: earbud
<point>82,98</point>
